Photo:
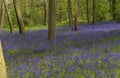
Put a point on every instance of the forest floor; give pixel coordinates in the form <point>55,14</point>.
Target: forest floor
<point>93,51</point>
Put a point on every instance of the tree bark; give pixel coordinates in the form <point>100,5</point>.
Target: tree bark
<point>75,27</point>
<point>94,11</point>
<point>8,16</point>
<point>76,15</point>
<point>70,13</point>
<point>45,11</point>
<point>87,11</point>
<point>3,72</point>
<point>52,20</point>
<point>2,14</point>
<point>19,16</point>
<point>60,11</point>
<point>113,8</point>
<point>27,8</point>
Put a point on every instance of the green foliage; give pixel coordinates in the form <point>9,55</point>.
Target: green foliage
<point>103,10</point>
<point>33,12</point>
<point>117,11</point>
<point>118,17</point>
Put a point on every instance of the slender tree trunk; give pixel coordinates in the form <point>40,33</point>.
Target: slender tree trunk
<point>52,20</point>
<point>42,13</point>
<point>27,7</point>
<point>75,28</point>
<point>45,11</point>
<point>2,14</point>
<point>30,8</point>
<point>113,8</point>
<point>94,11</point>
<point>87,10</point>
<point>76,15</point>
<point>70,13</point>
<point>60,14</point>
<point>8,16</point>
<point>3,72</point>
<point>19,16</point>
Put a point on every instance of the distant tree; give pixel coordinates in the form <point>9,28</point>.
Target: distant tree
<point>2,14</point>
<point>94,11</point>
<point>45,11</point>
<point>8,16</point>
<point>60,13</point>
<point>87,10</point>
<point>113,9</point>
<point>70,13</point>
<point>52,20</point>
<point>27,8</point>
<point>19,16</point>
<point>76,15</point>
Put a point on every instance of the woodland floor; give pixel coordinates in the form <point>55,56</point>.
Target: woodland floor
<point>93,51</point>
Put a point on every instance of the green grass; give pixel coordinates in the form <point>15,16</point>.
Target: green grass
<point>116,49</point>
<point>34,27</point>
<point>27,28</point>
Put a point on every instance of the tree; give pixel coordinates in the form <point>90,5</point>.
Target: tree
<point>76,15</point>
<point>113,9</point>
<point>87,10</point>
<point>94,11</point>
<point>45,12</point>
<point>19,16</point>
<point>60,13</point>
<point>3,73</point>
<point>8,16</point>
<point>27,8</point>
<point>52,20</point>
<point>2,14</point>
<point>70,13</point>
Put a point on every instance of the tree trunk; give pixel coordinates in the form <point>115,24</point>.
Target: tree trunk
<point>76,15</point>
<point>70,13</point>
<point>52,20</point>
<point>60,14</point>
<point>3,72</point>
<point>45,11</point>
<point>19,16</point>
<point>2,14</point>
<point>8,16</point>
<point>94,11</point>
<point>87,11</point>
<point>75,28</point>
<point>113,8</point>
<point>27,8</point>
